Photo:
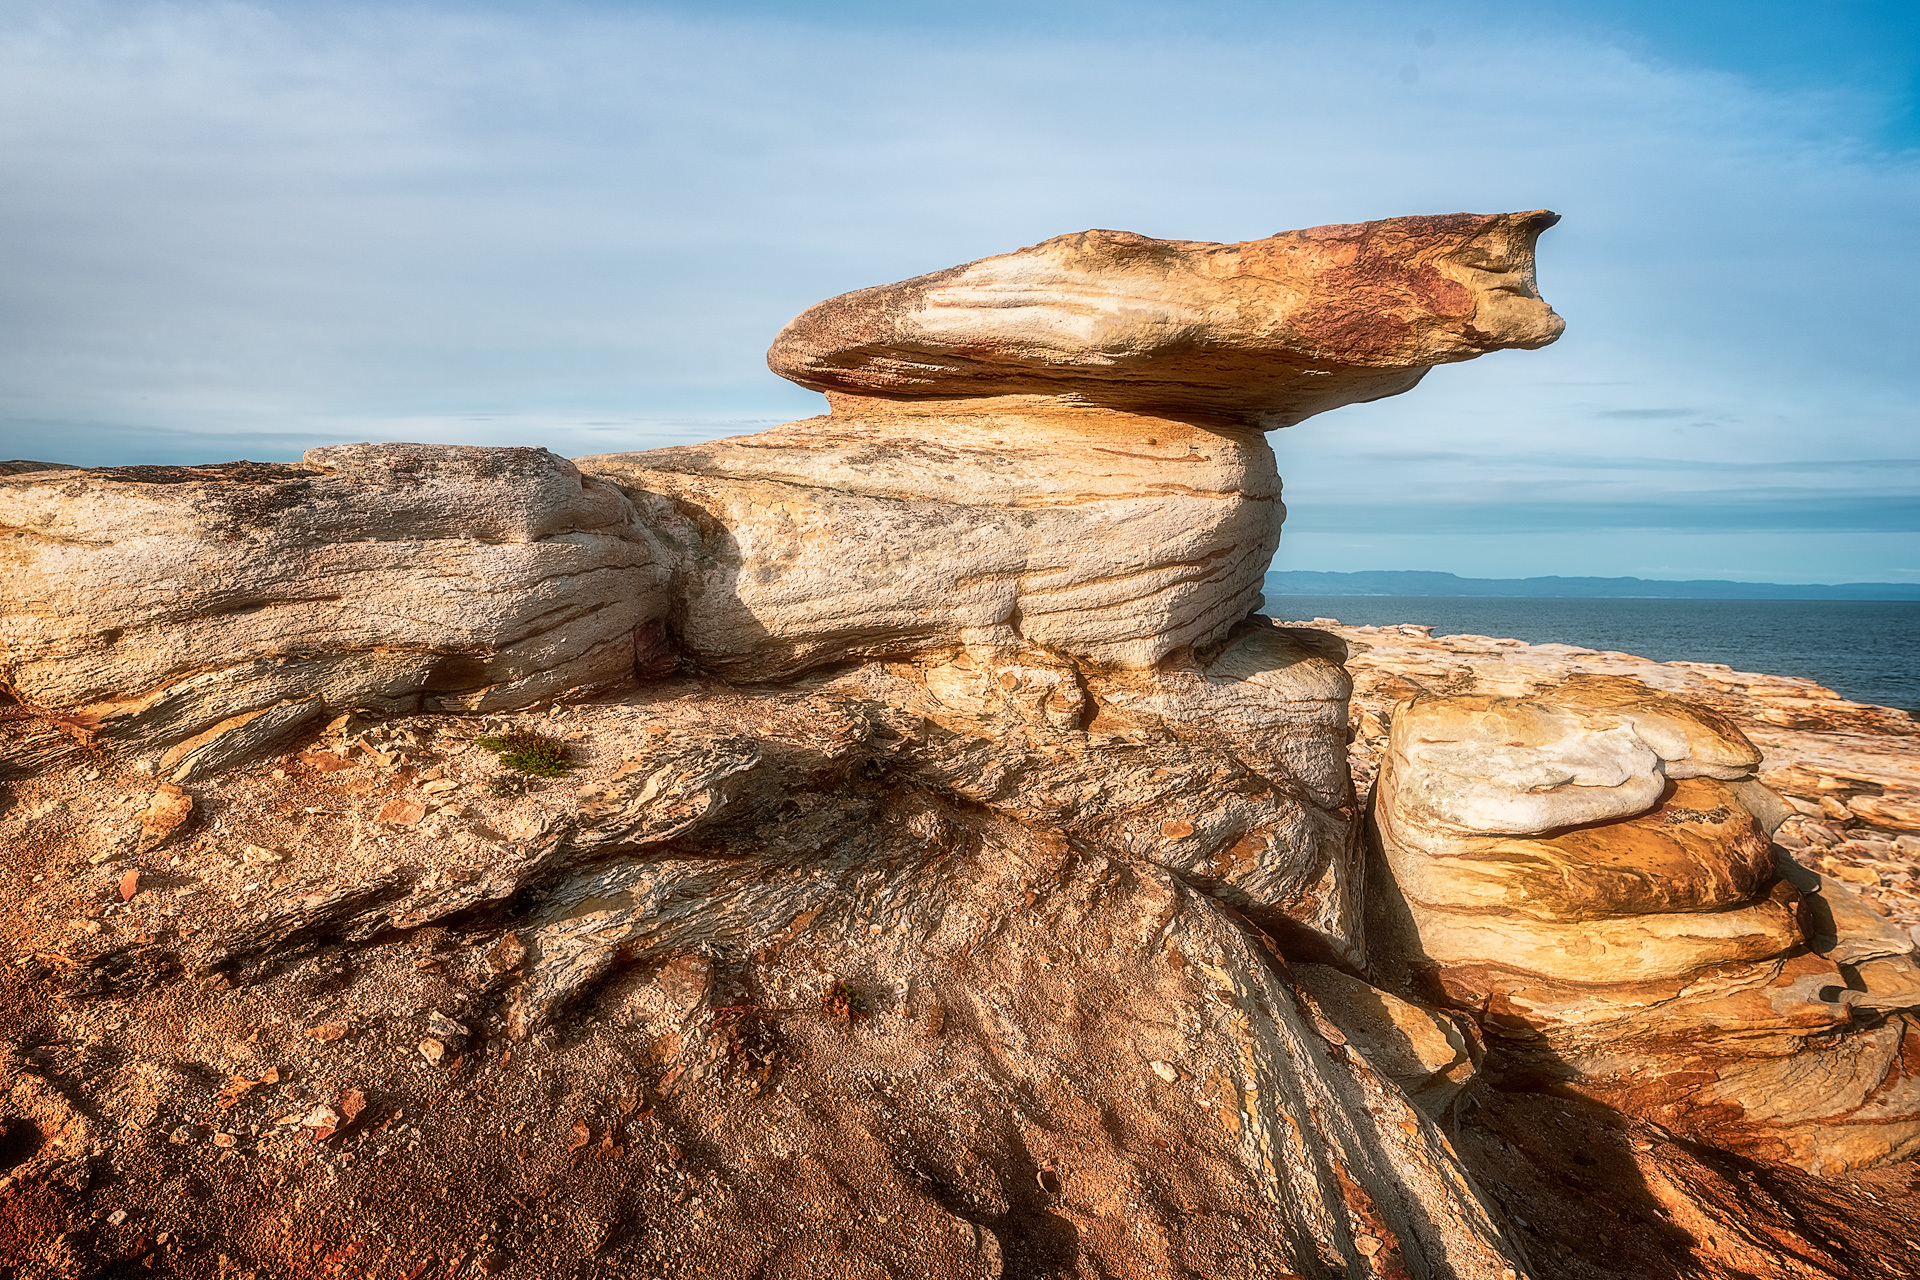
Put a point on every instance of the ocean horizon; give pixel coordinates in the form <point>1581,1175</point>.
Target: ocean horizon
<point>1865,650</point>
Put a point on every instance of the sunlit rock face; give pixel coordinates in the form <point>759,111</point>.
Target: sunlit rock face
<point>1049,469</point>
<point>948,873</point>
<point>1267,332</point>
<point>954,874</point>
<point>1061,446</point>
<point>1113,538</point>
<point>1588,869</point>
<point>197,615</point>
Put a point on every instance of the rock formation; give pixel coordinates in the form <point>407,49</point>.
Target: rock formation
<point>201,615</point>
<point>1849,773</point>
<point>1268,332</point>
<point>942,872</point>
<point>1588,871</point>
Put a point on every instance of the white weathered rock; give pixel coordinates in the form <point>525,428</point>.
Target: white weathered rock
<point>215,610</point>
<point>1486,765</point>
<point>1113,538</point>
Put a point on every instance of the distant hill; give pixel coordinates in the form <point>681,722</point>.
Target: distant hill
<point>1300,582</point>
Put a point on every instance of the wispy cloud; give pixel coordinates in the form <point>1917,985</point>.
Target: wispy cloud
<point>243,227</point>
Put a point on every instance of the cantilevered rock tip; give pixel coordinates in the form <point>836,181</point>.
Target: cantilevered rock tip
<point>1267,332</point>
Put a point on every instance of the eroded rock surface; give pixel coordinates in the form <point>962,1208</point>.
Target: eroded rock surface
<point>1584,870</point>
<point>196,616</point>
<point>1848,773</point>
<point>1061,446</point>
<point>1114,538</point>
<point>1268,331</point>
<point>930,866</point>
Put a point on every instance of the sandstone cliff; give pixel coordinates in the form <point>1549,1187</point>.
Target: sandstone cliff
<point>923,861</point>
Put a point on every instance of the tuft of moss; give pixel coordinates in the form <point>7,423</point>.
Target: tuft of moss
<point>842,1001</point>
<point>533,754</point>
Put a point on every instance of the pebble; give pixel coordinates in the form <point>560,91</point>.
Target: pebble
<point>1165,1070</point>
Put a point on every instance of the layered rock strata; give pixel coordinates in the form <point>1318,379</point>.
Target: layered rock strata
<point>1267,332</point>
<point>192,617</point>
<point>1588,871</point>
<point>1112,538</point>
<point>1849,772</point>
<point>950,877</point>
<point>993,842</point>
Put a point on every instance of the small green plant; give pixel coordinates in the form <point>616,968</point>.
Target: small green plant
<point>533,754</point>
<point>842,1001</point>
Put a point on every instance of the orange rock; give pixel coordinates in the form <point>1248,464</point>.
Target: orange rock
<point>402,813</point>
<point>1266,331</point>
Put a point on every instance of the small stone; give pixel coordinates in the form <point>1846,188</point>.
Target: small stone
<point>402,813</point>
<point>322,1120</point>
<point>507,954</point>
<point>1176,830</point>
<point>164,814</point>
<point>328,1032</point>
<point>260,856</point>
<point>445,1029</point>
<point>117,1217</point>
<point>432,1050</point>
<point>129,884</point>
<point>224,1140</point>
<point>1165,1070</point>
<point>439,785</point>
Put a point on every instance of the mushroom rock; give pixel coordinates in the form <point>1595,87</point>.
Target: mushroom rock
<point>201,615</point>
<point>1584,871</point>
<point>1044,495</point>
<point>1061,446</point>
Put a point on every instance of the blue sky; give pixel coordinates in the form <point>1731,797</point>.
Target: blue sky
<point>239,230</point>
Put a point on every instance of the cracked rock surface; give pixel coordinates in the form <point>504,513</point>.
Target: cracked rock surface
<point>893,846</point>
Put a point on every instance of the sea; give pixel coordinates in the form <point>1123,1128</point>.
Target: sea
<point>1865,650</point>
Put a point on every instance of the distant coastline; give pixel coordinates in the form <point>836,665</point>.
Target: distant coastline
<point>1301,582</point>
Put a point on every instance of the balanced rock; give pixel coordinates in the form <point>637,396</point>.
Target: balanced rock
<point>1060,447</point>
<point>1583,870</point>
<point>1267,332</point>
<point>203,614</point>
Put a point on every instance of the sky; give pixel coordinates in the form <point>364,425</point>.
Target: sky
<point>246,229</point>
